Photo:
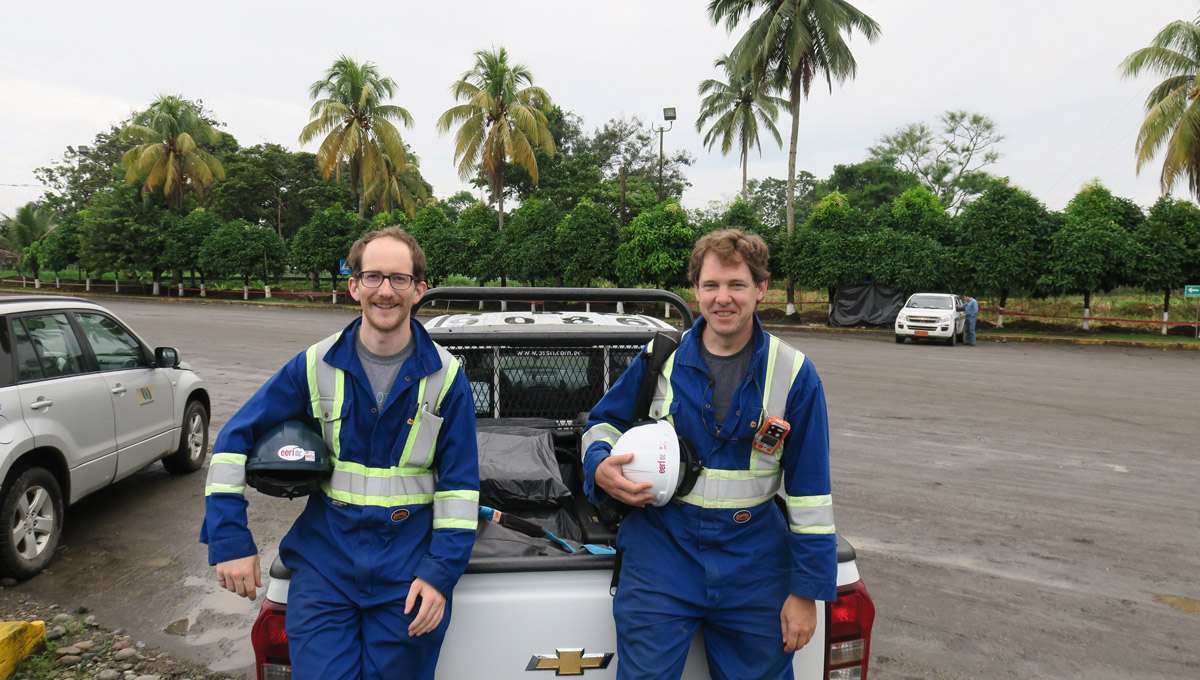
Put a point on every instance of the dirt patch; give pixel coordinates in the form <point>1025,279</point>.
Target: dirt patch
<point>77,647</point>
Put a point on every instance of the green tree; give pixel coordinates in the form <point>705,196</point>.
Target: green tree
<point>452,207</point>
<point>123,231</point>
<point>481,225</point>
<point>768,197</point>
<point>586,243</point>
<point>447,247</point>
<point>82,171</point>
<point>907,261</point>
<point>949,164</point>
<point>168,152</point>
<point>355,125</point>
<point>869,184</point>
<point>655,247</point>
<point>1166,249</point>
<point>1004,238</point>
<point>183,240</point>
<point>1092,250</point>
<point>529,240</point>
<point>827,252</point>
<point>61,246</point>
<point>322,244</point>
<point>21,233</point>
<point>501,117</point>
<point>1172,112</point>
<point>736,109</point>
<point>242,249</point>
<point>267,184</point>
<point>566,177</point>
<point>786,45</point>
<point>632,145</point>
<point>403,188</point>
<point>918,211</point>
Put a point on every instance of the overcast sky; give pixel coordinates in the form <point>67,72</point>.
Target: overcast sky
<point>1044,70</point>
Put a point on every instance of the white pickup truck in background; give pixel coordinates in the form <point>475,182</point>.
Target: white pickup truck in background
<point>932,316</point>
<point>527,608</point>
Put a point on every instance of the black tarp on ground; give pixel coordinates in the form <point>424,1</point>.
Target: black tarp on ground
<point>866,303</point>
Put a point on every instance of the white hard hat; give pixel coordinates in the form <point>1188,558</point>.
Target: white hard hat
<point>660,457</point>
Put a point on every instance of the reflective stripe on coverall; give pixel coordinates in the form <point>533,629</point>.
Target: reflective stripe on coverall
<point>723,556</point>
<point>401,503</point>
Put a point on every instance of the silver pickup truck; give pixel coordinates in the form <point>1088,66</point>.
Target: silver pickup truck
<point>529,605</point>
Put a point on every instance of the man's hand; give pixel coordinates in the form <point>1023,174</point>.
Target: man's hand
<point>798,621</point>
<point>433,606</point>
<point>241,576</point>
<point>610,478</point>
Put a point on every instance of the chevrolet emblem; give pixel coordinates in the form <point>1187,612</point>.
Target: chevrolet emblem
<point>568,661</point>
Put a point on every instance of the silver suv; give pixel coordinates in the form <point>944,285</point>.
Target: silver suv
<point>84,402</point>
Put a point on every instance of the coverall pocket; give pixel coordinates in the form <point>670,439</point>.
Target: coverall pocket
<point>425,429</point>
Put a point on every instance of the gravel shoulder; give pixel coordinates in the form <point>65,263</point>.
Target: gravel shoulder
<point>81,648</point>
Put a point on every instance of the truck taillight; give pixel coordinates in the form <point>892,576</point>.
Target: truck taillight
<point>850,621</point>
<point>270,643</point>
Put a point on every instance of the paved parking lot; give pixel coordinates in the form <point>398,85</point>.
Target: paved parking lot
<point>1019,510</point>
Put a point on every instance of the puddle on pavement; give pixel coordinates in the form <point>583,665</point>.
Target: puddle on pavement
<point>219,622</point>
<point>1183,604</point>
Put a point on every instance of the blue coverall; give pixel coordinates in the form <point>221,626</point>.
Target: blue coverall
<point>354,556</point>
<point>971,309</point>
<point>717,563</point>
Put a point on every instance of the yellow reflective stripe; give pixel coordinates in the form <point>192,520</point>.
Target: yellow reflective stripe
<point>733,488</point>
<point>377,501</point>
<point>339,398</point>
<point>664,408</point>
<point>226,474</point>
<point>314,392</point>
<point>451,367</point>
<point>600,432</point>
<point>415,426</point>
<point>457,509</point>
<point>469,524</point>
<point>810,514</point>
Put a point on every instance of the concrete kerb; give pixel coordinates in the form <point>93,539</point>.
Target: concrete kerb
<point>804,328</point>
<point>19,639</point>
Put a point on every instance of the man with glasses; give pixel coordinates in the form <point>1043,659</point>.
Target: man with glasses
<point>723,556</point>
<point>375,554</point>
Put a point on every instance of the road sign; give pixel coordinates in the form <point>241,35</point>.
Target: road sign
<point>1191,291</point>
<point>345,271</point>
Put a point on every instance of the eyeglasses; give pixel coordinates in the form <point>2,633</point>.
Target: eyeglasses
<point>375,280</point>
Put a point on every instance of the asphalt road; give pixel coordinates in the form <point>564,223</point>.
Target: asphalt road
<point>1020,510</point>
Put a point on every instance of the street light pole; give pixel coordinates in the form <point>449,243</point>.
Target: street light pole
<point>668,115</point>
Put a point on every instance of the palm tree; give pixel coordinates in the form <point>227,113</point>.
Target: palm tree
<point>348,111</point>
<point>785,47</point>
<point>502,118</point>
<point>738,107</point>
<point>20,234</point>
<point>405,188</point>
<point>168,136</point>
<point>1172,114</point>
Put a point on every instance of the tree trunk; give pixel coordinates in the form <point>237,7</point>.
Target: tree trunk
<point>745,169</point>
<point>791,181</point>
<point>1003,302</point>
<point>1087,307</point>
<point>1166,309</point>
